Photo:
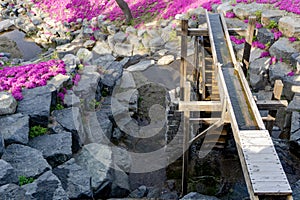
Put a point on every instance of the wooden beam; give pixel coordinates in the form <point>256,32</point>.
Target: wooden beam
<point>186,139</point>
<point>277,91</point>
<point>248,44</point>
<point>200,106</point>
<point>271,104</point>
<point>183,61</point>
<point>204,32</point>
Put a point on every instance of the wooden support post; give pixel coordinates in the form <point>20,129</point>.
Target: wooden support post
<point>278,87</point>
<point>183,61</point>
<point>203,78</point>
<point>196,71</point>
<point>248,44</point>
<point>186,139</point>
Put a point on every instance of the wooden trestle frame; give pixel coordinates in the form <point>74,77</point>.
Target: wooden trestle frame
<point>223,104</point>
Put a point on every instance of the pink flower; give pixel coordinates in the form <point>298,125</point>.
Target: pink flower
<point>292,39</point>
<point>273,60</point>
<point>277,35</point>
<point>264,54</point>
<point>230,15</point>
<point>258,45</point>
<point>291,73</point>
<point>258,25</point>
<point>61,96</point>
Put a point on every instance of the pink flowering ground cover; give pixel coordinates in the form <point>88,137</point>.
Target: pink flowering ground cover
<point>13,79</point>
<point>71,10</point>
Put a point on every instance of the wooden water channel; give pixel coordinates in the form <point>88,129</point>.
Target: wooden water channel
<point>221,81</point>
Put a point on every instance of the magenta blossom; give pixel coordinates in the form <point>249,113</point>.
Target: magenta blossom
<point>292,39</point>
<point>273,60</point>
<point>230,15</point>
<point>264,54</point>
<point>258,45</point>
<point>291,73</point>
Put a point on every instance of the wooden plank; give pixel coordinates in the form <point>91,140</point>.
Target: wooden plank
<point>204,31</point>
<point>254,133</point>
<point>200,106</point>
<point>250,98</point>
<point>183,61</point>
<point>261,157</point>
<point>271,104</point>
<point>267,177</point>
<point>275,187</point>
<point>248,44</point>
<point>257,141</point>
<point>278,87</point>
<point>251,149</point>
<point>186,139</point>
<point>229,43</point>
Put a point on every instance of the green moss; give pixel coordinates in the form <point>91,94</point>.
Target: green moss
<point>272,24</point>
<point>37,131</point>
<point>23,180</point>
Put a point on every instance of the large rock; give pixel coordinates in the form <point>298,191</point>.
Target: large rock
<point>59,81</point>
<point>283,48</point>
<point>279,71</point>
<point>243,11</point>
<point>75,180</point>
<point>123,49</point>
<point>8,103</point>
<point>156,42</point>
<point>84,55</point>
<point>141,66</point>
<point>5,25</point>
<point>87,85</point>
<point>36,104</point>
<point>258,73</point>
<point>15,128</point>
<point>97,159</point>
<point>7,173</point>
<point>120,37</point>
<point>196,196</point>
<point>295,133</point>
<point>296,190</point>
<point>265,35</point>
<point>12,191</point>
<point>71,100</point>
<point>47,186</point>
<point>102,48</point>
<point>70,119</point>
<point>290,26</point>
<point>165,60</point>
<point>71,62</point>
<point>27,161</point>
<point>140,192</point>
<point>2,146</point>
<point>113,73</point>
<point>271,15</point>
<point>56,148</point>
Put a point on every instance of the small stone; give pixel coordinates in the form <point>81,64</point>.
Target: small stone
<point>282,48</point>
<point>112,29</point>
<point>59,81</point>
<point>141,66</point>
<point>123,49</point>
<point>279,71</point>
<point>165,60</point>
<point>102,48</point>
<point>71,62</point>
<point>140,192</point>
<point>156,42</point>
<point>196,196</point>
<point>271,15</point>
<point>265,35</point>
<point>5,25</point>
<point>8,103</point>
<point>89,44</point>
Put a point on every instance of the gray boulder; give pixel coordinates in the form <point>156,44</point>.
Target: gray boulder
<point>71,100</point>
<point>123,49</point>
<point>156,42</point>
<point>8,103</point>
<point>6,25</point>
<point>141,66</point>
<point>2,146</point>
<point>75,180</point>
<point>71,62</point>
<point>283,48</point>
<point>271,15</point>
<point>296,190</point>
<point>56,148</point>
<point>243,11</point>
<point>47,186</point>
<point>12,191</point>
<point>15,128</point>
<point>84,55</point>
<point>7,173</point>
<point>295,134</point>
<point>290,26</point>
<point>59,81</point>
<point>27,161</point>
<point>113,73</point>
<point>295,61</point>
<point>197,196</point>
<point>97,159</point>
<point>140,192</point>
<point>120,37</point>
<point>102,48</point>
<point>265,35</point>
<point>165,60</point>
<point>36,104</point>
<point>87,85</point>
<point>70,119</point>
<point>258,73</point>
<point>279,71</point>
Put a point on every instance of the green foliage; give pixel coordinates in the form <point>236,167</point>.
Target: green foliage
<point>37,131</point>
<point>54,55</point>
<point>59,107</point>
<point>23,180</point>
<point>258,15</point>
<point>272,24</point>
<point>80,66</point>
